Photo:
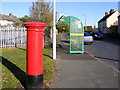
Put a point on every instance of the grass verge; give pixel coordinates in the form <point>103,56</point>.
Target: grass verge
<point>14,67</point>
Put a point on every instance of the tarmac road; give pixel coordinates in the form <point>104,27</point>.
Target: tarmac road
<point>105,50</point>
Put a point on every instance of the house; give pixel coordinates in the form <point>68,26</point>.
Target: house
<point>109,20</point>
<point>119,24</point>
<point>6,20</point>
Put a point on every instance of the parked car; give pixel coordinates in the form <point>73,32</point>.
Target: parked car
<point>88,39</point>
<point>96,35</point>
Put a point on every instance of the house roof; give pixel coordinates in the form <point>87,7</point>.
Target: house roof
<point>8,17</point>
<point>105,17</point>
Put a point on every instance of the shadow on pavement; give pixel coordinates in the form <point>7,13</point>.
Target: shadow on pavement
<point>62,48</point>
<point>65,41</point>
<point>18,73</point>
<point>78,56</point>
<point>63,51</point>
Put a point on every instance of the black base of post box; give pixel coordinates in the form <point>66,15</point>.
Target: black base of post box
<point>34,81</point>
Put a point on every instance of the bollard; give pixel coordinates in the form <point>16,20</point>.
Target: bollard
<point>34,69</point>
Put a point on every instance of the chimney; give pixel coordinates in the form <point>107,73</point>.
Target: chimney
<point>10,14</point>
<point>106,13</point>
<point>111,11</point>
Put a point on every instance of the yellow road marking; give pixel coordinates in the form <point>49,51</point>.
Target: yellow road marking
<point>76,34</point>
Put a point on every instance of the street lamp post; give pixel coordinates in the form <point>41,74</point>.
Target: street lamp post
<point>54,30</point>
<point>85,21</point>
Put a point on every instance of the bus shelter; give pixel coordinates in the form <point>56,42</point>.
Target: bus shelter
<point>76,44</point>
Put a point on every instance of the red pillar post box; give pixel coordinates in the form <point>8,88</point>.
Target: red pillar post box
<point>35,40</point>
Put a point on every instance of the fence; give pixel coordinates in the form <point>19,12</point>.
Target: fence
<point>16,37</point>
<point>12,37</point>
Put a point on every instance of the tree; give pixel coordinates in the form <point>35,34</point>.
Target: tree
<point>26,18</point>
<point>88,28</point>
<point>23,20</point>
<point>95,29</point>
<point>41,11</point>
<point>62,27</point>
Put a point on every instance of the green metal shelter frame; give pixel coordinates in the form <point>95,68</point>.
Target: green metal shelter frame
<point>76,33</point>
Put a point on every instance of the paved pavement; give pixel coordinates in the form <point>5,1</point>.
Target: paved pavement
<point>81,70</point>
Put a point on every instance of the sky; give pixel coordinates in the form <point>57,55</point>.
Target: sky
<point>91,12</point>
